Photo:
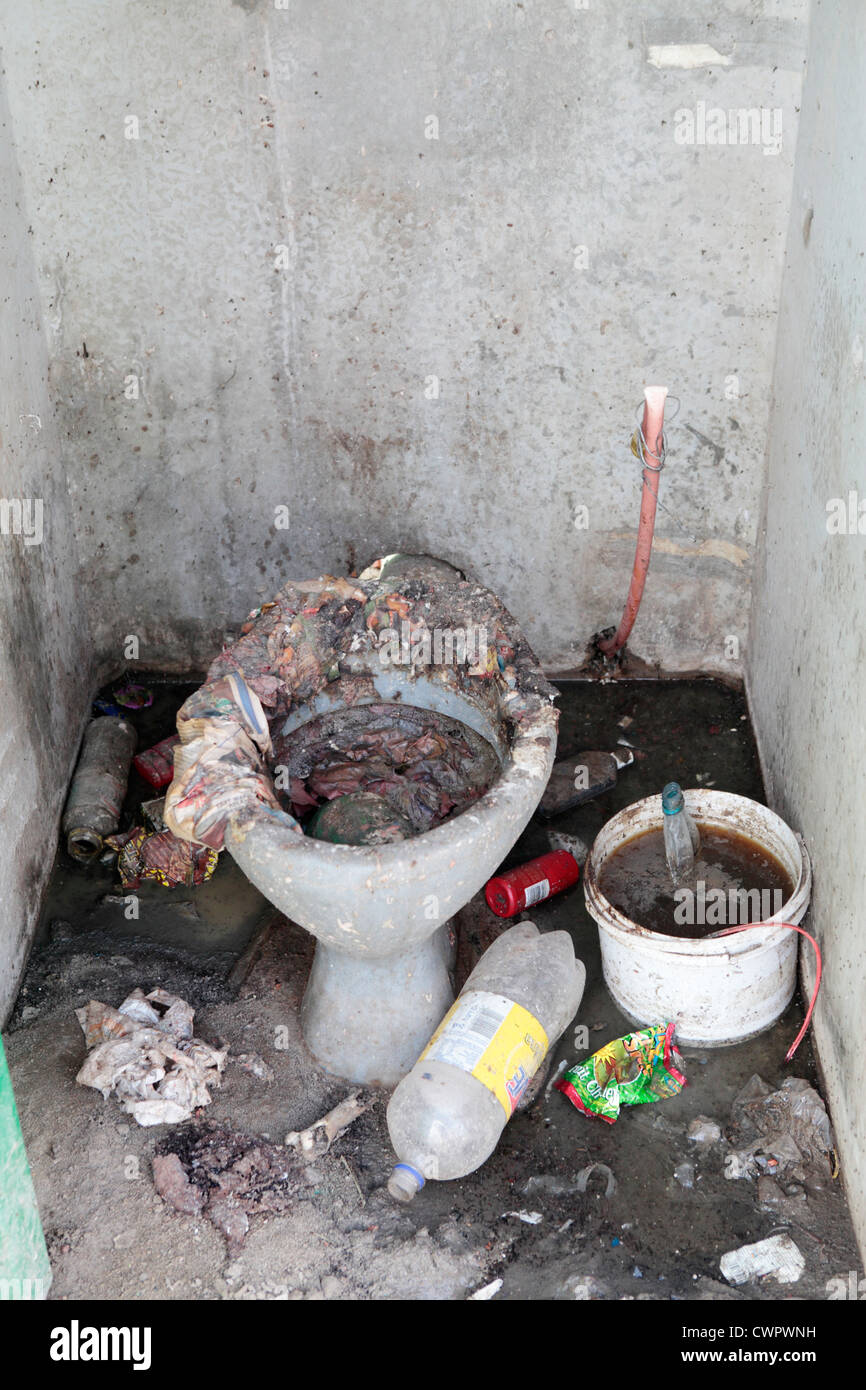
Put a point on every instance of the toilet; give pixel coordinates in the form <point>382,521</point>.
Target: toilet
<point>380,982</point>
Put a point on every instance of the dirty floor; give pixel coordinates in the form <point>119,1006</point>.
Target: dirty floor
<point>110,1236</point>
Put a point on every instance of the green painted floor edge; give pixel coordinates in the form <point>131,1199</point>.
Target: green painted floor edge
<point>25,1270</point>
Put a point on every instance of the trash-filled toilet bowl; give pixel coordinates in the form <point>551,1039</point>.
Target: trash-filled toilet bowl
<point>719,991</point>
<point>380,983</point>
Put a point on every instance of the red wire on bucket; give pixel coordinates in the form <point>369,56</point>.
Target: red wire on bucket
<point>729,931</point>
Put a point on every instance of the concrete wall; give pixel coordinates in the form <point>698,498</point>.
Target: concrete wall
<point>807,649</point>
<point>45,647</point>
<point>491,194</point>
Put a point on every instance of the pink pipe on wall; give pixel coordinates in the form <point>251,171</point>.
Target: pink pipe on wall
<point>653,429</point>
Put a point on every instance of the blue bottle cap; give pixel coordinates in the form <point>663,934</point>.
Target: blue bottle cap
<point>419,1177</point>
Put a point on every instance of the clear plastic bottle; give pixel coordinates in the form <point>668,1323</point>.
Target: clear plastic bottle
<point>446,1116</point>
<point>682,838</point>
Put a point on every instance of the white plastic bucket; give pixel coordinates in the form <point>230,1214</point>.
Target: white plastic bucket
<point>717,992</point>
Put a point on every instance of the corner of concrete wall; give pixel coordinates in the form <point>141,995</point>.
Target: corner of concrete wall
<point>806,655</point>
<point>45,648</point>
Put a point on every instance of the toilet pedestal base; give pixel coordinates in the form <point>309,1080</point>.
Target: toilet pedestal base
<point>369,1020</point>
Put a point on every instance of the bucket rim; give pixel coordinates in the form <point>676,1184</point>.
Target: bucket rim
<point>700,800</point>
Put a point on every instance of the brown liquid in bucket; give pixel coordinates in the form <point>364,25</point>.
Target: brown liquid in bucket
<point>736,880</point>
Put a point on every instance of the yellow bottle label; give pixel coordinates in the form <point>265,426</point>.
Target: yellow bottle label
<point>497,1041</point>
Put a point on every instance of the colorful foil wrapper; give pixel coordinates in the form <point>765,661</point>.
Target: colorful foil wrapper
<point>161,856</point>
<point>133,696</point>
<point>631,1070</point>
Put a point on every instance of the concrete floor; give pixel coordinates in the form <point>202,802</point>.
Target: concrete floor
<point>111,1236</point>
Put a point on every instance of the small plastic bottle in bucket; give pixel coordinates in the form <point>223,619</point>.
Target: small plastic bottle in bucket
<point>682,838</point>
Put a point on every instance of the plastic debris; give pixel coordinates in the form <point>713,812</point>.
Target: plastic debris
<point>484,1295</point>
<point>145,1054</point>
<point>787,1131</point>
<point>777,1255</point>
<point>703,1130</point>
<point>152,813</point>
<point>227,1175</point>
<point>775,1155</point>
<point>529,1218</point>
<point>585,1174</point>
<point>156,764</point>
<point>133,696</point>
<point>632,1070</point>
<point>560,1068</point>
<point>550,1184</point>
<point>491,1043</point>
<point>685,1174</point>
<point>773,1197</point>
<point>102,706</point>
<point>317,1138</point>
<point>25,1268</point>
<point>795,1108</point>
<point>585,1288</point>
<point>740,1165</point>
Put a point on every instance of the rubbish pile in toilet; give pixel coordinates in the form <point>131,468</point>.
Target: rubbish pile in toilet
<point>410,684</point>
<point>342,633</point>
<point>422,765</point>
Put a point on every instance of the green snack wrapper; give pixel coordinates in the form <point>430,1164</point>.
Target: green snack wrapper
<point>632,1070</point>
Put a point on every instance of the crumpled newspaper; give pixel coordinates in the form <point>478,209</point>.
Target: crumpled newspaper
<point>786,1131</point>
<point>778,1256</point>
<point>145,1054</point>
<point>219,765</point>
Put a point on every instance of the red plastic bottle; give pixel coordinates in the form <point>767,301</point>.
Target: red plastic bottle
<point>509,893</point>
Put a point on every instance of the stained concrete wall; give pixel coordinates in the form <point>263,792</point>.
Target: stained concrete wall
<point>807,649</point>
<point>46,666</point>
<point>404,270</point>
